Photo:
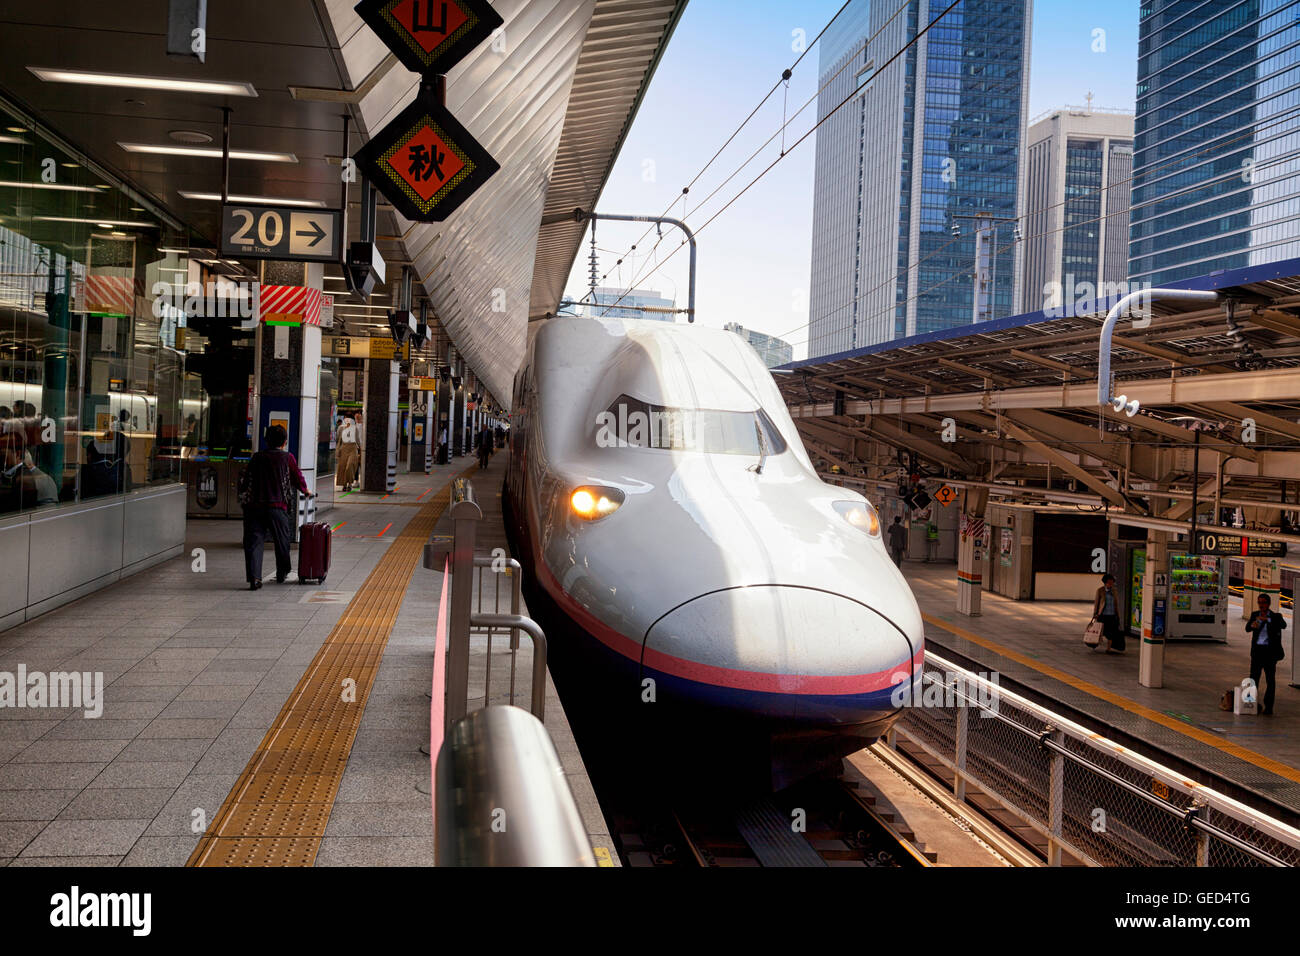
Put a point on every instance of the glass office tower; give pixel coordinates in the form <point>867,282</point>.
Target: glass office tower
<point>920,145</point>
<point>1217,145</point>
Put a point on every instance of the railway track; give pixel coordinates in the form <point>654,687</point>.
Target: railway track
<point>820,823</point>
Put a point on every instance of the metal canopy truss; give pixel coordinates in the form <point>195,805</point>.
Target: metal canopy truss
<point>1011,405</point>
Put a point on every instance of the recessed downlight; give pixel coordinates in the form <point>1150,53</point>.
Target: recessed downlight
<point>192,136</point>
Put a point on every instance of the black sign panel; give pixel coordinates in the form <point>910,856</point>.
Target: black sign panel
<point>281,232</point>
<point>425,162</point>
<point>430,36</point>
<point>1211,542</point>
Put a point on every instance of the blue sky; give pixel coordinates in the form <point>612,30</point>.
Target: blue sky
<point>725,55</point>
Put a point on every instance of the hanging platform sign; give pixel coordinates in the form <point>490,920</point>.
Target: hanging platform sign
<point>425,162</point>
<point>430,36</point>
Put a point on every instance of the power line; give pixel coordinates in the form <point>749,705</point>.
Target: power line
<point>903,49</point>
<point>785,76</point>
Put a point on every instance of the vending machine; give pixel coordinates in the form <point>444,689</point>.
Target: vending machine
<point>1198,597</point>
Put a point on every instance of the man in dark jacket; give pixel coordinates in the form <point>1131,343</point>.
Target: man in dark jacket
<point>1265,630</point>
<point>897,540</point>
<point>273,475</point>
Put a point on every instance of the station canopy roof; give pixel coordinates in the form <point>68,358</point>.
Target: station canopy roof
<point>1022,391</point>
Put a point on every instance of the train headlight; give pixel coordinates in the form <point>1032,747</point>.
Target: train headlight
<point>592,502</point>
<point>860,514</point>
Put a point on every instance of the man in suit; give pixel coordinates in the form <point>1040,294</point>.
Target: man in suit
<point>1265,630</point>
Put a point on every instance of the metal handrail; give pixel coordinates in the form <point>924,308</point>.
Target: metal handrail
<point>1051,735</point>
<point>502,798</point>
<point>533,630</point>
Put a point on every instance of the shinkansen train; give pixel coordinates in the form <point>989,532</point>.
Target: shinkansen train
<point>664,506</point>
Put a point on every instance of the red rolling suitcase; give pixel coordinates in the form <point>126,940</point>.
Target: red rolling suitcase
<point>314,551</point>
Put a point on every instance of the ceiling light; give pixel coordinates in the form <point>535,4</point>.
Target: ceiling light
<point>137,208</point>
<point>179,252</point>
<point>97,222</point>
<point>69,165</point>
<point>258,200</point>
<point>13,139</point>
<point>209,151</point>
<point>103,186</point>
<point>16,129</point>
<point>17,184</point>
<point>170,84</point>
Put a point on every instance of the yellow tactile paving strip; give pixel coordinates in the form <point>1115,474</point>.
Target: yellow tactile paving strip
<point>1173,723</point>
<point>276,813</point>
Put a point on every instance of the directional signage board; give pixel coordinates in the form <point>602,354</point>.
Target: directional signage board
<point>430,36</point>
<point>1211,542</point>
<point>416,384</point>
<point>425,162</point>
<point>281,232</point>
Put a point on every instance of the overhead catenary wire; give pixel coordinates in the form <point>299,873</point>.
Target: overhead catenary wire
<point>783,80</point>
<point>901,50</point>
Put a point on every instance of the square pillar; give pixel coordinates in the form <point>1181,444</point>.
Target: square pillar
<point>1155,608</point>
<point>287,366</point>
<point>379,464</point>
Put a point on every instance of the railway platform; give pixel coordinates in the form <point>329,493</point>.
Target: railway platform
<point>201,755</point>
<point>1037,646</point>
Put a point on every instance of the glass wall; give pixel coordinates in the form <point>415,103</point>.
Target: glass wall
<point>91,376</point>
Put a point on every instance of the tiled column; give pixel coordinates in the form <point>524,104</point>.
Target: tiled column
<point>1151,665</point>
<point>972,543</point>
<point>1260,576</point>
<point>288,374</point>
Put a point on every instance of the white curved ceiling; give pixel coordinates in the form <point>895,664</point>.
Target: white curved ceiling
<point>555,139</point>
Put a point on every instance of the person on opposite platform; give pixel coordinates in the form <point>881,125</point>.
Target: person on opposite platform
<point>1265,630</point>
<point>1105,608</point>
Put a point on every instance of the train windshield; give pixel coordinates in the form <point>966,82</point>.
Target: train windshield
<point>630,422</point>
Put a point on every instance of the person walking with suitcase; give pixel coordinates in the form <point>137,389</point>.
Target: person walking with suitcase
<point>1265,630</point>
<point>1106,610</point>
<point>266,493</point>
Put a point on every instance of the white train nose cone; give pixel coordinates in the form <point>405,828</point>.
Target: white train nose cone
<point>780,651</point>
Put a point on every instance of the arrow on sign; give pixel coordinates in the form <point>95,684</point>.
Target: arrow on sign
<point>317,234</point>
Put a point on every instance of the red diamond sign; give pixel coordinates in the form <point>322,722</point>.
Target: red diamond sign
<point>430,36</point>
<point>425,162</point>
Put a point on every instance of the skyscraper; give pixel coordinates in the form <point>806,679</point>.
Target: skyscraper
<point>1217,151</point>
<point>1079,166</point>
<point>770,349</point>
<point>922,143</point>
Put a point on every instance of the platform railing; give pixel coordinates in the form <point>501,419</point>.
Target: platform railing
<point>502,798</point>
<point>1085,794</point>
<point>468,615</point>
<point>500,794</point>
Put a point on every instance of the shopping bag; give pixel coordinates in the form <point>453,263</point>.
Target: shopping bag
<point>1092,635</point>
